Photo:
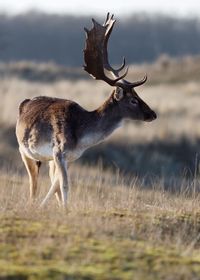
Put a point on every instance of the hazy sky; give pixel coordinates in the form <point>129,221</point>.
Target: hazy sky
<point>179,7</point>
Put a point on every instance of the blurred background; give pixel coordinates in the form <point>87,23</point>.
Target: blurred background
<point>41,53</point>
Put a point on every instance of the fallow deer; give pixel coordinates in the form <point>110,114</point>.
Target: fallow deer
<point>59,130</point>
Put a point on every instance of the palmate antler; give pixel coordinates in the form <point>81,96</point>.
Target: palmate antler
<point>96,56</point>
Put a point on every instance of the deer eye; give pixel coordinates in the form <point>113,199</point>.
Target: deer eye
<point>134,101</point>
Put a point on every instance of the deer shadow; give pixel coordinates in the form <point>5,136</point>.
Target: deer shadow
<point>173,162</point>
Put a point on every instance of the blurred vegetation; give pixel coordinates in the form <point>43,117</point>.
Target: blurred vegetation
<point>140,37</point>
<point>164,70</point>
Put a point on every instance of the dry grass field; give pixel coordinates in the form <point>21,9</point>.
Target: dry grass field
<point>134,203</point>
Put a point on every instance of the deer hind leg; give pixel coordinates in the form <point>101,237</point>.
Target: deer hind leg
<point>32,168</point>
<point>52,175</point>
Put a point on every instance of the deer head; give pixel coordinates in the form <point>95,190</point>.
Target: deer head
<point>97,65</point>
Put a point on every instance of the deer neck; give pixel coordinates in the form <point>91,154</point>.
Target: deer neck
<point>108,115</point>
<point>103,121</point>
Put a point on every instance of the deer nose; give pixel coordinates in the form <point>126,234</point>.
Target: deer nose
<point>150,116</point>
<point>154,116</point>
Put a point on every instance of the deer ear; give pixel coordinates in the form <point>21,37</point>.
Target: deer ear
<point>118,94</point>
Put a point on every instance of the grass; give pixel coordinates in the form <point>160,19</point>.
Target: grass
<point>109,231</point>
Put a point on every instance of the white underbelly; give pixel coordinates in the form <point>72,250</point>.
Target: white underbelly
<point>45,153</point>
<point>41,153</point>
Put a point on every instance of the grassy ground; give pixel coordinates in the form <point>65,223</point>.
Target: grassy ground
<point>134,206</point>
<point>109,231</point>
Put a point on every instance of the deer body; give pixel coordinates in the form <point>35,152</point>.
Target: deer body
<point>72,128</point>
<point>59,130</point>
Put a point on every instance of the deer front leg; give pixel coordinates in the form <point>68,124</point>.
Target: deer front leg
<point>52,174</point>
<point>51,192</point>
<point>61,168</point>
<point>58,175</point>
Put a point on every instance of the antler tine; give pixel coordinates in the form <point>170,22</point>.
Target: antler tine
<point>107,17</point>
<point>110,24</point>
<point>139,83</point>
<point>122,65</point>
